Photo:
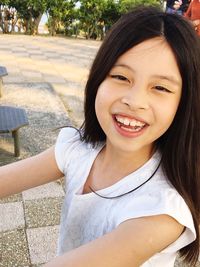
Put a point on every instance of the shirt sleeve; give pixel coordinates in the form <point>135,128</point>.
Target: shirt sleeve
<point>67,140</point>
<point>159,202</point>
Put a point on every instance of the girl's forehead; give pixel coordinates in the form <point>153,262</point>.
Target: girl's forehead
<point>146,48</point>
<point>153,57</point>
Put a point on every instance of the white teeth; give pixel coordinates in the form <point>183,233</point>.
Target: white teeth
<point>126,122</point>
<point>131,122</point>
<point>119,119</point>
<point>136,123</point>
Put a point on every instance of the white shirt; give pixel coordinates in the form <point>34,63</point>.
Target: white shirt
<point>86,217</point>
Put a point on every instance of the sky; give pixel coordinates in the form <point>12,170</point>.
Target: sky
<point>43,19</point>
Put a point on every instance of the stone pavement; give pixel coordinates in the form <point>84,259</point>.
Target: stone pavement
<point>46,78</point>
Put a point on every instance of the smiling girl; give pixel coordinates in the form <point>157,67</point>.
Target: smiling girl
<point>132,169</point>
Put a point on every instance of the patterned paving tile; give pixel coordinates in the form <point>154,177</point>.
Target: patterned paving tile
<point>42,212</point>
<point>42,243</point>
<point>14,251</point>
<point>53,79</point>
<point>53,189</point>
<point>32,74</point>
<point>14,198</point>
<point>14,78</point>
<point>12,216</point>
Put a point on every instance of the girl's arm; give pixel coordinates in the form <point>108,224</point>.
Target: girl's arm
<point>28,173</point>
<point>129,245</point>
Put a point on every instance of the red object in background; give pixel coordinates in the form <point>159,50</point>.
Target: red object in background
<point>193,14</point>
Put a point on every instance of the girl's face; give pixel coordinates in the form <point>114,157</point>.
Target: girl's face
<point>138,100</point>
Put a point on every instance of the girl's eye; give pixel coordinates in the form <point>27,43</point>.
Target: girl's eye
<point>119,77</point>
<point>163,89</point>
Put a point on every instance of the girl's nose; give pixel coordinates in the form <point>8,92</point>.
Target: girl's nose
<point>136,98</point>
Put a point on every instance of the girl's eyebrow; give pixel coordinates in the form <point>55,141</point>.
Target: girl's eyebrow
<point>123,65</point>
<point>168,78</point>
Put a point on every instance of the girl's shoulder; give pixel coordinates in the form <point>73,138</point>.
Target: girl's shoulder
<point>163,197</point>
<point>168,201</point>
<point>70,148</point>
<point>158,197</point>
<point>68,134</point>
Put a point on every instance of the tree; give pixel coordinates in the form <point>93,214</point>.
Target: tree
<point>127,5</point>
<point>7,17</point>
<point>97,16</point>
<point>86,16</point>
<point>29,12</point>
<point>111,13</point>
<point>70,18</point>
<point>91,17</point>
<point>59,12</point>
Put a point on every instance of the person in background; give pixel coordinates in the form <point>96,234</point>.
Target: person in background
<point>193,14</point>
<point>176,6</point>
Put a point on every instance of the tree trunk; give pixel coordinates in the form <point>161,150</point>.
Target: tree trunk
<point>5,30</point>
<point>36,24</point>
<point>53,27</point>
<point>1,20</point>
<point>26,26</point>
<point>13,24</point>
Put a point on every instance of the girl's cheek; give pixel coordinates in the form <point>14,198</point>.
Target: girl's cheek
<point>103,93</point>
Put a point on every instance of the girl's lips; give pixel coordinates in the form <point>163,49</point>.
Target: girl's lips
<point>129,117</point>
<point>128,130</point>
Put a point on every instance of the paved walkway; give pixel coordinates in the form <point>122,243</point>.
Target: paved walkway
<point>46,77</point>
<point>61,62</point>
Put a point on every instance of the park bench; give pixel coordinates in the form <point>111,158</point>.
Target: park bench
<point>3,72</point>
<point>11,120</point>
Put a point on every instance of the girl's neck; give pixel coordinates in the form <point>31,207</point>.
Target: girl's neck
<point>123,161</point>
<point>112,165</point>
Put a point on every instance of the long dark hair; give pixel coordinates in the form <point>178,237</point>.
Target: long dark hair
<point>180,144</point>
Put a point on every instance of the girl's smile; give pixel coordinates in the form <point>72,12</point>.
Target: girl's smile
<point>138,100</point>
<point>129,126</point>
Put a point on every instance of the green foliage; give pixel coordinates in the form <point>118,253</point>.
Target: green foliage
<point>90,14</point>
<point>29,12</point>
<point>96,16</point>
<point>127,5</point>
<point>111,13</point>
<point>60,12</point>
<point>28,8</point>
<point>4,2</point>
<point>92,18</point>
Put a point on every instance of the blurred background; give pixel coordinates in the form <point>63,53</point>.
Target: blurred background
<point>89,19</point>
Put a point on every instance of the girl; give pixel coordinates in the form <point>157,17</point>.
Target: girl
<point>132,170</point>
